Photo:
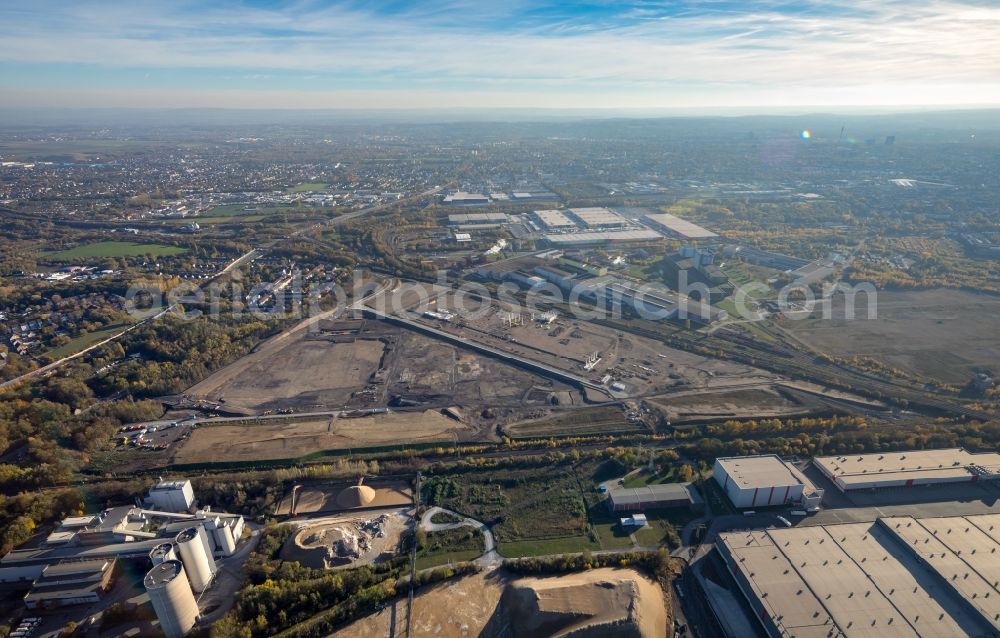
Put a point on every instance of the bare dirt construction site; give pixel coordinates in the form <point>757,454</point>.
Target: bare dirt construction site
<point>309,372</point>
<point>939,334</point>
<point>296,437</point>
<point>756,401</point>
<point>347,541</point>
<point>599,602</point>
<point>581,348</point>
<point>357,363</point>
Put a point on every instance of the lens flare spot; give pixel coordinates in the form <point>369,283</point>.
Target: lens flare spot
<point>806,134</point>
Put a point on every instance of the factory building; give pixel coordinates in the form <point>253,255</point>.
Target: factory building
<point>561,278</point>
<point>196,555</point>
<point>70,582</point>
<point>764,481</point>
<point>912,468</point>
<point>171,496</point>
<point>172,598</point>
<point>896,576</point>
<point>662,496</point>
<point>674,226</point>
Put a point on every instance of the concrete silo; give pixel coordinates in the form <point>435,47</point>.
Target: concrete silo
<point>161,553</point>
<point>170,593</point>
<point>192,547</point>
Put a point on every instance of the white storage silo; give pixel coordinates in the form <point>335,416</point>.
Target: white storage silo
<point>162,553</point>
<point>170,593</point>
<point>222,534</point>
<point>198,562</point>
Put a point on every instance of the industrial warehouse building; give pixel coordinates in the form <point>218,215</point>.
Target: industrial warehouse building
<point>70,582</point>
<point>466,199</point>
<point>664,495</point>
<point>595,237</point>
<point>897,576</point>
<point>908,469</point>
<point>763,481</point>
<point>477,219</point>
<point>552,219</point>
<point>598,218</point>
<point>674,226</point>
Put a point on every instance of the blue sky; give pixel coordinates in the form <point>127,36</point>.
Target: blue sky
<point>519,53</point>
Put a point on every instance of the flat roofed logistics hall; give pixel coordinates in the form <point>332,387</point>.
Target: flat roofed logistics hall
<point>909,468</point>
<point>477,218</point>
<point>604,237</point>
<point>763,481</point>
<point>892,577</point>
<point>678,227</point>
<point>759,471</point>
<point>597,217</point>
<point>554,219</point>
<point>650,496</point>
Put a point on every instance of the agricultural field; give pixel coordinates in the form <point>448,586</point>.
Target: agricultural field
<point>113,249</point>
<point>266,439</point>
<point>940,334</point>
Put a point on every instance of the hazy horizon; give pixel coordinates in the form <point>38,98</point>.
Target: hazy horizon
<point>322,54</point>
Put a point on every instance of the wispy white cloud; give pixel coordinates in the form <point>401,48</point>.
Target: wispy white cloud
<point>868,50</point>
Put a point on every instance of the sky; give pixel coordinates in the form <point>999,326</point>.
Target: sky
<point>388,54</point>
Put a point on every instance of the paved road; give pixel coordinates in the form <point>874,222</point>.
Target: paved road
<point>229,579</point>
<point>490,558</point>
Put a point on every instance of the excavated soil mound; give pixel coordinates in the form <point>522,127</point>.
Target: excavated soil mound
<point>601,602</point>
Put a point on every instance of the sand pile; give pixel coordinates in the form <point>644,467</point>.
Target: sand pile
<point>356,496</point>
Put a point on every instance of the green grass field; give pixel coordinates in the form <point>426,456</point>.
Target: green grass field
<point>114,249</point>
<point>84,341</point>
<point>450,546</point>
<point>546,546</point>
<point>612,536</point>
<point>643,478</point>
<point>308,187</point>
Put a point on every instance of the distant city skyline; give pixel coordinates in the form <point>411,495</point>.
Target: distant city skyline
<point>719,54</point>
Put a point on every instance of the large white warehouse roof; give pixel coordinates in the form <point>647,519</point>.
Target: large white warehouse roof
<point>919,466</point>
<point>870,579</point>
<point>749,472</point>
<point>680,227</point>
